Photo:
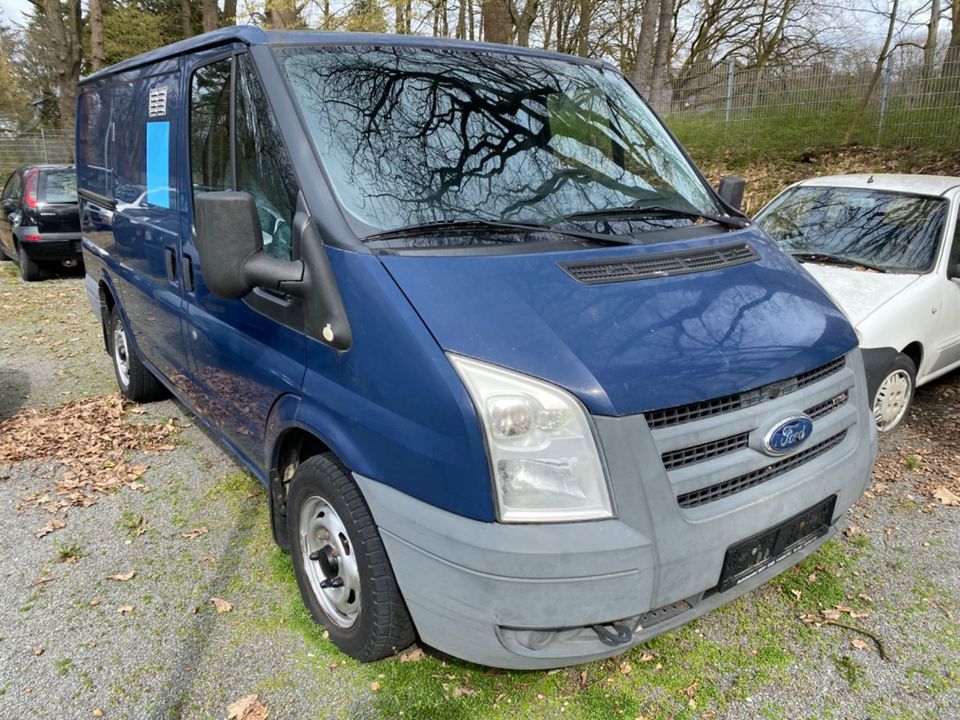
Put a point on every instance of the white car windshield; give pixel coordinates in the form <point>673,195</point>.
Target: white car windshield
<point>885,230</point>
<point>413,135</point>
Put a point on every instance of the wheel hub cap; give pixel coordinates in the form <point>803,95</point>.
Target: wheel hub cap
<point>121,354</point>
<point>893,397</point>
<point>330,562</point>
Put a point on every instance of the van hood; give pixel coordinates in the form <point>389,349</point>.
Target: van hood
<point>859,292</point>
<point>629,347</point>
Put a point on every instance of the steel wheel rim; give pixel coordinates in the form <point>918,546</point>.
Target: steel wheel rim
<point>121,354</point>
<point>892,399</point>
<point>323,538</point>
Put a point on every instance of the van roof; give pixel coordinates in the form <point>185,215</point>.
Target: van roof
<point>254,35</point>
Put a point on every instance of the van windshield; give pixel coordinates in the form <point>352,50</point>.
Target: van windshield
<point>410,136</point>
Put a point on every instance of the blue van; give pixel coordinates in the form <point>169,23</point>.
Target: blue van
<point>519,381</point>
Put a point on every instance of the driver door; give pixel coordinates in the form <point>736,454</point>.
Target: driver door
<point>244,353</point>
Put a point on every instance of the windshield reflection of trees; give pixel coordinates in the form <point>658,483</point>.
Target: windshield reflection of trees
<point>885,229</point>
<point>413,136</point>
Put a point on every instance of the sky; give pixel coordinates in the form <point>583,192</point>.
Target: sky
<point>13,9</point>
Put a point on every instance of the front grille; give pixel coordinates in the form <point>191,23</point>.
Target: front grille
<point>696,498</point>
<point>698,453</point>
<point>660,265</point>
<point>827,406</point>
<point>729,403</point>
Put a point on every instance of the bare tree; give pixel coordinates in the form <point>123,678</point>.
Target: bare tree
<point>63,25</point>
<point>930,46</point>
<point>951,64</point>
<point>877,70</point>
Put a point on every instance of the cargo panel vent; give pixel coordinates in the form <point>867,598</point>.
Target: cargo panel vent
<point>661,264</point>
<point>710,494</point>
<point>729,403</point>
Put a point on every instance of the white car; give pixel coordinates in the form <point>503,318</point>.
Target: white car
<point>887,248</point>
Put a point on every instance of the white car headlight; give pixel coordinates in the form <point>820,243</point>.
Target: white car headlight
<point>545,462</point>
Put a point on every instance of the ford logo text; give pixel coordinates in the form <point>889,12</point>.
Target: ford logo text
<point>787,435</point>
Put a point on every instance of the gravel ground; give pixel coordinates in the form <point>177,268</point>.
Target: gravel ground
<point>194,526</point>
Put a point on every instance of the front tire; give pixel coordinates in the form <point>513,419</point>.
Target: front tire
<point>136,382</point>
<point>342,568</point>
<point>894,394</point>
<point>29,269</point>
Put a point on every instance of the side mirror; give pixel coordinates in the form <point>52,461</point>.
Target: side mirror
<point>731,190</point>
<point>230,243</point>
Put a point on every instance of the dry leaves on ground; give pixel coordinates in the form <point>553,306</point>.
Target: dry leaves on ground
<point>49,527</point>
<point>90,438</point>
<point>411,654</point>
<point>946,497</point>
<point>248,707</point>
<point>195,533</point>
<point>122,577</point>
<point>221,605</point>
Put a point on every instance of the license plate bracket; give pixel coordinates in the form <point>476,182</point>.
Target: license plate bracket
<point>765,549</point>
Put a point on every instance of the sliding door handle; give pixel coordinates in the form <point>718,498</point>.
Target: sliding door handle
<point>170,262</point>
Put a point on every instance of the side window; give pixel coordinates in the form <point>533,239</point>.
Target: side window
<point>210,127</point>
<point>94,135</point>
<point>263,166</point>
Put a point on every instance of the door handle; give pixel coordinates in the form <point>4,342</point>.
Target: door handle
<point>188,273</point>
<point>170,262</point>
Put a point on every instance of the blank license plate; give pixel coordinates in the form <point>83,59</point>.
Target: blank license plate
<point>747,558</point>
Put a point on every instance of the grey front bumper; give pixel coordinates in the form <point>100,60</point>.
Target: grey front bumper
<point>526,596</point>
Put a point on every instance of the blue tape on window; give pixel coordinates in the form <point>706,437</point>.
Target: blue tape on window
<point>158,164</point>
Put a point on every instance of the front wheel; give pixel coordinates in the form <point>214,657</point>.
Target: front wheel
<point>341,565</point>
<point>895,393</point>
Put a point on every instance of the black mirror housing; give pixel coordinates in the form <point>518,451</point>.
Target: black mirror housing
<point>731,190</point>
<point>230,244</point>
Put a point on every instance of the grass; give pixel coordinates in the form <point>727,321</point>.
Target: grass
<point>70,553</point>
<point>134,524</point>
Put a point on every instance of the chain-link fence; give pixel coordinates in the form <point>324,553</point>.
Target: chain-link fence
<point>825,103</point>
<point>41,146</point>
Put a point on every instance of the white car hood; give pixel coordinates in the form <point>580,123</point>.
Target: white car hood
<point>859,292</point>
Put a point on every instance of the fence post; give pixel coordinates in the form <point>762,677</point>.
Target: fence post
<point>43,142</point>
<point>886,94</point>
<point>732,67</point>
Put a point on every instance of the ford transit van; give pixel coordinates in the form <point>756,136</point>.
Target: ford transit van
<point>519,381</point>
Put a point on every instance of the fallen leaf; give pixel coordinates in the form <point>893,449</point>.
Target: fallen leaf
<point>195,533</point>
<point>221,605</point>
<point>94,602</point>
<point>122,577</point>
<point>464,691</point>
<point>248,707</point>
<point>946,497</point>
<point>647,657</point>
<point>625,668</point>
<point>375,686</point>
<point>831,614</point>
<point>413,654</point>
<point>860,643</point>
<point>125,609</point>
<point>858,615</point>
<point>691,690</point>
<point>52,524</point>
<point>97,712</point>
<point>796,593</point>
<point>38,651</point>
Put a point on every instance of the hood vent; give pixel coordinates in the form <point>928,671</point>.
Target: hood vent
<point>660,265</point>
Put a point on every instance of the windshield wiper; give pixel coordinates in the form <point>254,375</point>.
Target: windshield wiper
<point>637,210</point>
<point>829,259</point>
<point>477,224</point>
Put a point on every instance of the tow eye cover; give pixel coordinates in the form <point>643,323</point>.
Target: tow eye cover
<point>787,435</point>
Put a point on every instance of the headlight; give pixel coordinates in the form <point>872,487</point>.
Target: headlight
<point>545,462</point>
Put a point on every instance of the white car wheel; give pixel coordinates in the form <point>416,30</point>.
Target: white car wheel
<point>893,398</point>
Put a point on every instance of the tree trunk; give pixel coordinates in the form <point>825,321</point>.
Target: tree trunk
<point>951,64</point>
<point>398,24</point>
<point>462,21</point>
<point>186,18</point>
<point>523,20</point>
<point>97,54</point>
<point>281,14</point>
<point>229,13</point>
<point>471,19</point>
<point>497,23</point>
<point>643,68</point>
<point>211,15</point>
<point>877,72</point>
<point>583,28</point>
<point>659,80</point>
<point>63,23</point>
